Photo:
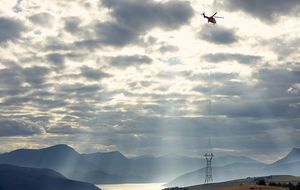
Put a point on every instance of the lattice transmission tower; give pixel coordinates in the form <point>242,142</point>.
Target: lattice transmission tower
<point>208,170</point>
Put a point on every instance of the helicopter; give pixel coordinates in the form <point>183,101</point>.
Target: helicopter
<point>211,18</point>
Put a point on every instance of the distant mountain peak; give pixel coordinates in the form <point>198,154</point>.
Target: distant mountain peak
<point>295,151</point>
<point>62,147</point>
<point>292,156</point>
<point>112,153</point>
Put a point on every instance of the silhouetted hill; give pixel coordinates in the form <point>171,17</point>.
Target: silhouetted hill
<point>61,158</point>
<point>22,178</point>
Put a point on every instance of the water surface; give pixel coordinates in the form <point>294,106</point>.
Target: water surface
<point>133,186</point>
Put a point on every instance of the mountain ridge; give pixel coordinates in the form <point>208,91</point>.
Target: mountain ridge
<point>16,177</point>
<point>289,164</point>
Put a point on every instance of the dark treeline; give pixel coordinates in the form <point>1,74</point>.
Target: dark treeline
<point>291,186</point>
<point>175,188</point>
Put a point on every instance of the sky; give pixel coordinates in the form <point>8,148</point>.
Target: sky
<point>151,76</point>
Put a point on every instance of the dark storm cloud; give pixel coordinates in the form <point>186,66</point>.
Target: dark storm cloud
<point>218,35</point>
<point>133,18</point>
<point>130,60</point>
<point>93,74</point>
<point>42,19</point>
<point>240,58</point>
<point>266,10</point>
<point>10,29</point>
<point>19,128</point>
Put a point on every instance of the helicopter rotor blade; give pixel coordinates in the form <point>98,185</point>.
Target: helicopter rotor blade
<point>215,14</point>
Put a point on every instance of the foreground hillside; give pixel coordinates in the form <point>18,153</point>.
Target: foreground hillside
<point>21,178</point>
<point>248,183</point>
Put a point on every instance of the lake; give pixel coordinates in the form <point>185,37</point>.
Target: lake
<point>134,186</point>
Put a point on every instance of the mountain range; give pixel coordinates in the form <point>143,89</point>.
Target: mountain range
<point>289,165</point>
<point>109,167</point>
<point>114,167</point>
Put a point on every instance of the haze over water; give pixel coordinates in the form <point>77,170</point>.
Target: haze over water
<point>135,186</point>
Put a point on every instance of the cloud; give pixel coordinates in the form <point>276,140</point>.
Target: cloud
<point>114,34</point>
<point>294,89</point>
<point>19,128</point>
<point>67,129</point>
<point>79,89</point>
<point>266,10</point>
<point>262,99</point>
<point>228,88</point>
<point>58,59</point>
<point>130,60</point>
<point>148,14</point>
<point>10,29</point>
<point>93,74</point>
<point>15,77</point>
<point>17,7</point>
<point>72,24</point>
<point>284,48</point>
<point>168,48</point>
<point>143,111</point>
<point>133,18</point>
<point>218,35</point>
<point>240,58</point>
<point>42,19</point>
<point>257,108</point>
<point>36,75</point>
